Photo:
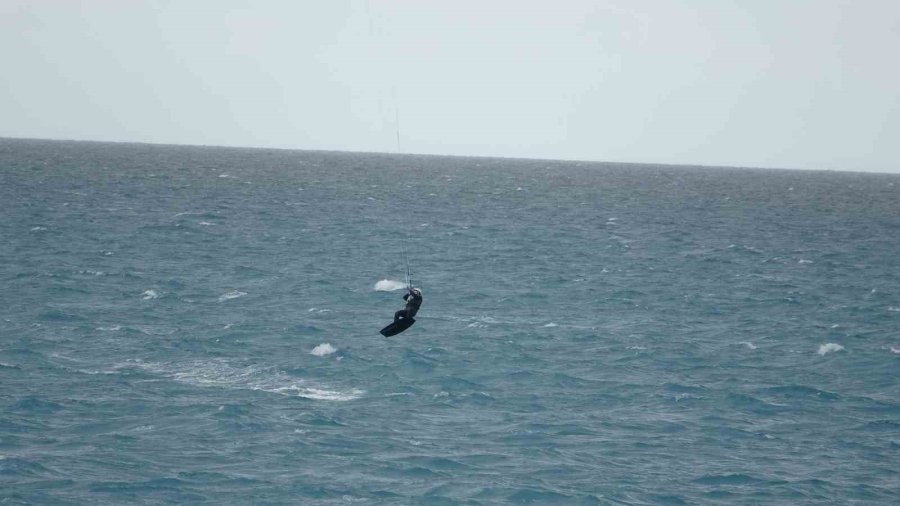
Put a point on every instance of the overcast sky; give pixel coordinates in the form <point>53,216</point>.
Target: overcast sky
<point>765,83</point>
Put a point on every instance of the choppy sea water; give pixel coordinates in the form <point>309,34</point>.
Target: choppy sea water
<point>200,325</point>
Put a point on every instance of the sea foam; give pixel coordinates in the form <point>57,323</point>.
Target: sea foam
<point>231,295</point>
<point>218,373</point>
<point>389,285</point>
<point>323,349</point>
<point>829,347</point>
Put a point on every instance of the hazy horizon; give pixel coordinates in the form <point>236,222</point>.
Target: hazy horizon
<point>497,157</point>
<point>805,85</point>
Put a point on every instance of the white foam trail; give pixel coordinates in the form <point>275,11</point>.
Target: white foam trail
<point>323,349</point>
<point>267,379</point>
<point>389,285</point>
<point>829,347</point>
<point>231,295</point>
<point>150,294</point>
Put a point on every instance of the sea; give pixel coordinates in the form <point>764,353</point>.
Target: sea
<point>200,325</point>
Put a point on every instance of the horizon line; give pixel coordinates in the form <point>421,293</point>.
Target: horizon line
<point>489,157</point>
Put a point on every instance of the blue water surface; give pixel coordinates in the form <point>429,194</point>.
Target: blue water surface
<point>200,325</point>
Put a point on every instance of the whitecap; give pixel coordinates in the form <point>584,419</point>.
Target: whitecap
<point>38,229</point>
<point>114,328</point>
<point>749,345</point>
<point>551,324</point>
<point>320,394</point>
<point>804,261</point>
<point>895,350</point>
<point>829,347</point>
<point>219,373</point>
<point>894,309</point>
<point>150,294</point>
<point>323,349</point>
<point>232,295</point>
<point>389,285</point>
<point>206,224</point>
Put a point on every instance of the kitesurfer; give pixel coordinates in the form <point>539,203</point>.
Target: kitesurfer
<point>413,300</point>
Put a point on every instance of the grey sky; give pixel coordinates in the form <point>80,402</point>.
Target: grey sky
<point>766,83</point>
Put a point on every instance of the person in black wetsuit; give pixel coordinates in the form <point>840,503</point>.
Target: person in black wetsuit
<point>413,300</point>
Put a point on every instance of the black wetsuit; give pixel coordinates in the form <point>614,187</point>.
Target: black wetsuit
<point>413,302</point>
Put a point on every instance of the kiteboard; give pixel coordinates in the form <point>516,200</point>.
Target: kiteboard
<point>395,328</point>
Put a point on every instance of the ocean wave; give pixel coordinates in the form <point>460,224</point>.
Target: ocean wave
<point>219,373</point>
<point>231,295</point>
<point>150,294</point>
<point>389,285</point>
<point>323,349</point>
<point>799,391</point>
<point>89,272</point>
<point>828,348</point>
<point>728,479</point>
